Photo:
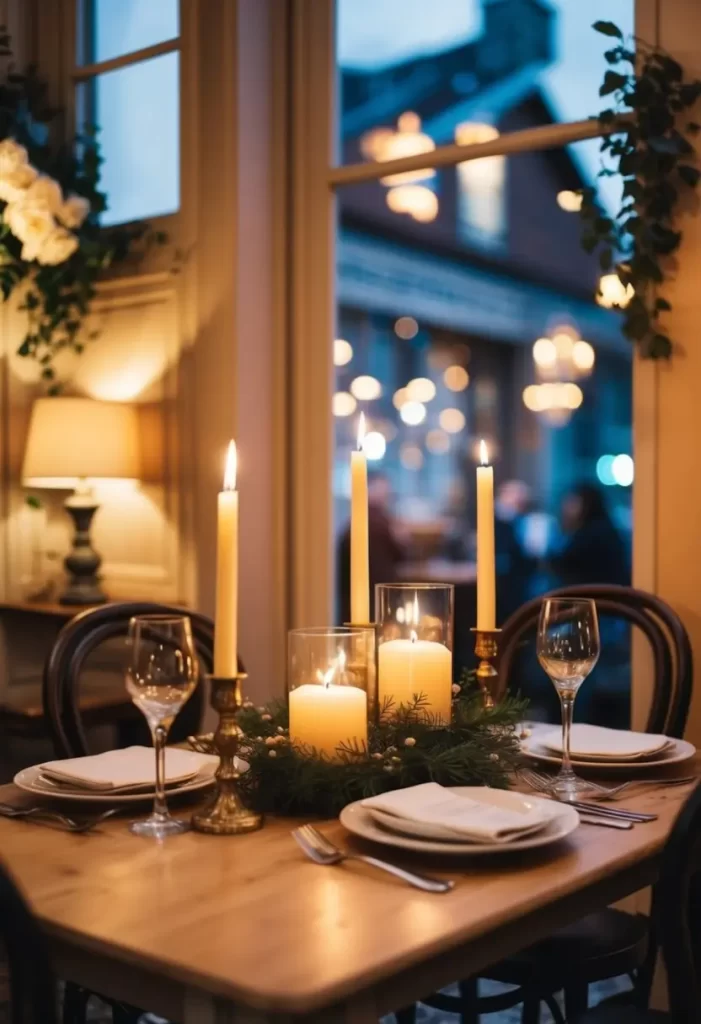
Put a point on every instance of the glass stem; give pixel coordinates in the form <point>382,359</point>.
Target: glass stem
<point>160,734</point>
<point>567,701</point>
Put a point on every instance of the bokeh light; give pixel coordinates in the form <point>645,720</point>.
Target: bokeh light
<point>544,353</point>
<point>437,441</point>
<point>456,378</point>
<point>342,352</point>
<point>420,389</point>
<point>570,202</point>
<point>452,420</point>
<point>366,388</point>
<point>343,404</point>
<point>411,456</point>
<point>374,445</point>
<point>571,396</point>
<point>604,470</point>
<point>623,470</point>
<point>406,328</point>
<point>583,355</point>
<point>413,413</point>
<point>399,398</point>
<point>613,293</point>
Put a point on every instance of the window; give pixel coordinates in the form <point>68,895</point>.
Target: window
<point>465,305</point>
<point>127,81</point>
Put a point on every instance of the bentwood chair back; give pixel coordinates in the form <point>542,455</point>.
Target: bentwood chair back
<point>82,637</point>
<point>31,982</point>
<point>661,626</point>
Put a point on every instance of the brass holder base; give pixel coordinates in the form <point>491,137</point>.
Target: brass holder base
<point>486,649</point>
<point>226,814</point>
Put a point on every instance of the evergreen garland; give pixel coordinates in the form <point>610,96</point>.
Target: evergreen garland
<point>406,747</point>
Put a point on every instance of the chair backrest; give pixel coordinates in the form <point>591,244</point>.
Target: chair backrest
<point>32,985</point>
<point>81,637</point>
<point>661,626</point>
<point>676,912</point>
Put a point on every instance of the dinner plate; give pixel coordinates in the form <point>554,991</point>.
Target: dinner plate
<point>679,751</point>
<point>596,743</point>
<point>360,821</point>
<point>29,780</point>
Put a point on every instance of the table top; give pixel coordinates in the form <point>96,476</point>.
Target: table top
<point>250,919</point>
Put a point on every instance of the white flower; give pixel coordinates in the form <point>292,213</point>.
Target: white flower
<point>72,214</point>
<point>14,183</point>
<point>57,247</point>
<point>12,156</point>
<point>29,221</point>
<point>47,191</point>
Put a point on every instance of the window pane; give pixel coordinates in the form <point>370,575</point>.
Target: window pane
<point>462,64</point>
<point>111,28</point>
<point>436,342</point>
<point>137,111</point>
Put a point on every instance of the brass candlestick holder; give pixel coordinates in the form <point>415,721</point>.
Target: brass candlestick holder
<point>486,649</point>
<point>226,814</point>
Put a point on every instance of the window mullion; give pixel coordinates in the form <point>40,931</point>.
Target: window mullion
<point>544,137</point>
<point>87,71</point>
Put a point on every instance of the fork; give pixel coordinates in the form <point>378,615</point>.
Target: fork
<point>603,793</point>
<point>322,851</point>
<point>43,813</point>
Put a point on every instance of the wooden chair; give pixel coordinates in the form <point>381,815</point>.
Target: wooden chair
<point>32,988</point>
<point>611,942</point>
<point>80,638</point>
<point>676,914</point>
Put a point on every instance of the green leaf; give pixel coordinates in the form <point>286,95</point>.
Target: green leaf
<point>612,81</point>
<point>605,259</point>
<point>607,28</point>
<point>32,501</point>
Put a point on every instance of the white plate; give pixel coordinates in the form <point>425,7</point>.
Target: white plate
<point>27,780</point>
<point>679,751</point>
<point>596,743</point>
<point>358,820</point>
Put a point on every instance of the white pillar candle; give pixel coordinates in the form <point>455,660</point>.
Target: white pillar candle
<point>359,544</point>
<point>486,566</point>
<point>325,716</point>
<point>409,667</point>
<point>225,650</point>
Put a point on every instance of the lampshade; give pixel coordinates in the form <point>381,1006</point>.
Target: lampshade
<point>77,438</point>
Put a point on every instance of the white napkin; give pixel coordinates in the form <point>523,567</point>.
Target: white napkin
<point>462,816</point>
<point>118,769</point>
<point>598,742</point>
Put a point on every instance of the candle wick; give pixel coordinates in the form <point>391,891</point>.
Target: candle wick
<point>414,637</point>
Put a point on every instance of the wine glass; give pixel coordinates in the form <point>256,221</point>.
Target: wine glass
<point>568,648</point>
<point>161,675</point>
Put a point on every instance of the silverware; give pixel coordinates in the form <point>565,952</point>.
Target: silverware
<point>44,815</point>
<point>322,851</point>
<point>600,819</point>
<point>543,784</point>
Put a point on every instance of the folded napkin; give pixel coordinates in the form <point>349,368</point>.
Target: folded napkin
<point>119,769</point>
<point>598,742</point>
<point>461,816</point>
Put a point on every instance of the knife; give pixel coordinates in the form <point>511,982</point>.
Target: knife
<point>613,812</point>
<point>592,819</point>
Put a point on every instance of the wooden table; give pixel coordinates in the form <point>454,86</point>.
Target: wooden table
<point>210,930</point>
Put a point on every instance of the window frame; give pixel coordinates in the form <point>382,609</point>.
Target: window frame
<point>318,175</point>
<point>78,74</point>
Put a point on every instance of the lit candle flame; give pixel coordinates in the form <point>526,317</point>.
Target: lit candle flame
<point>484,458</point>
<point>361,431</point>
<point>326,677</point>
<point>414,636</point>
<point>230,469</point>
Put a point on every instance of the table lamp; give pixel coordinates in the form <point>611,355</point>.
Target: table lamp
<point>73,442</point>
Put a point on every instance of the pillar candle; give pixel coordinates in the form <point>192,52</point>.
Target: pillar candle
<point>408,667</point>
<point>324,716</point>
<point>486,567</point>
<point>359,550</point>
<point>225,652</point>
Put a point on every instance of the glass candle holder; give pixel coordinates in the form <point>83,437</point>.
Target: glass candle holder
<point>415,652</point>
<point>331,676</point>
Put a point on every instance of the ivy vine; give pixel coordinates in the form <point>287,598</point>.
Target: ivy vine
<point>648,147</point>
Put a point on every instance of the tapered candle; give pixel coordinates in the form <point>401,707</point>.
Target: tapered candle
<point>225,652</point>
<point>486,566</point>
<point>359,550</point>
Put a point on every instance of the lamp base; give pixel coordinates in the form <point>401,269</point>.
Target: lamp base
<point>83,561</point>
